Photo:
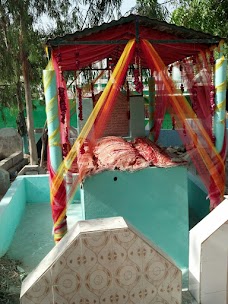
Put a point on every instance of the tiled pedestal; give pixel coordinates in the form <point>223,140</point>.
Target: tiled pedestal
<point>103,261</point>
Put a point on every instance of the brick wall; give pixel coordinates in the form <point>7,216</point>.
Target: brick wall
<point>118,124</point>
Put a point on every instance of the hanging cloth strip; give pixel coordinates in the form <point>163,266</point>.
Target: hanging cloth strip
<point>160,107</point>
<point>63,105</point>
<point>87,87</point>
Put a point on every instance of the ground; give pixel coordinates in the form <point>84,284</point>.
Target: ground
<point>10,281</point>
<point>12,275</point>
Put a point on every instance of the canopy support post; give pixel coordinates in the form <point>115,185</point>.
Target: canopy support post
<point>137,30</point>
<point>55,151</point>
<point>50,91</point>
<point>151,84</point>
<point>220,101</point>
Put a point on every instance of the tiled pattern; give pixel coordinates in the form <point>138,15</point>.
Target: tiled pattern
<point>109,266</point>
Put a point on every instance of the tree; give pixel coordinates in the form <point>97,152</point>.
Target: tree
<point>16,58</point>
<point>10,82</point>
<point>152,9</point>
<point>21,53</point>
<point>209,16</point>
<point>70,16</point>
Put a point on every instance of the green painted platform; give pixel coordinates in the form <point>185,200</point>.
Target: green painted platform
<point>154,200</point>
<point>33,238</point>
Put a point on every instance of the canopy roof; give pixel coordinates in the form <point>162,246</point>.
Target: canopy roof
<point>172,43</point>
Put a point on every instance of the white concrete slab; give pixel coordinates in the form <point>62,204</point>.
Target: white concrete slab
<point>208,256</point>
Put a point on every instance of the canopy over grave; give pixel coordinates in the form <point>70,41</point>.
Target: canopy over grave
<point>171,42</point>
<point>140,43</point>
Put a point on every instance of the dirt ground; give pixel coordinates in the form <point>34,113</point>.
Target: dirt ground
<point>11,275</point>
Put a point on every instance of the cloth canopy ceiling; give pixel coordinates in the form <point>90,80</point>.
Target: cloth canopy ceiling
<point>172,43</point>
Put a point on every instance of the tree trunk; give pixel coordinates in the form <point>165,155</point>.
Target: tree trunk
<point>30,120</point>
<point>28,98</point>
<point>21,123</point>
<point>20,103</point>
<point>44,139</point>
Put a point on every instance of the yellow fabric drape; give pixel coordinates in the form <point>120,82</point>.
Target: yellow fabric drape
<point>105,98</point>
<point>183,110</point>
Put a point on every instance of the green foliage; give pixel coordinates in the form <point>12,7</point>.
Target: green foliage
<point>70,16</point>
<point>23,37</point>
<point>11,49</point>
<point>100,11</point>
<point>210,16</point>
<point>152,9</point>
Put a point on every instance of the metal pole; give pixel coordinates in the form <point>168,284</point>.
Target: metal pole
<point>50,92</point>
<point>220,101</point>
<point>55,151</point>
<point>151,84</point>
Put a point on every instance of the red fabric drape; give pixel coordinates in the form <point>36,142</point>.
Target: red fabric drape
<point>61,84</point>
<point>87,54</point>
<point>161,102</point>
<point>208,162</point>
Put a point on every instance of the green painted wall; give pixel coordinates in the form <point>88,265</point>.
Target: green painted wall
<point>10,118</point>
<point>12,208</point>
<point>38,113</point>
<point>37,189</point>
<point>169,138</point>
<point>154,200</point>
<point>25,189</point>
<point>197,197</point>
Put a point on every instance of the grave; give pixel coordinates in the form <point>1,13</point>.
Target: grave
<point>103,261</point>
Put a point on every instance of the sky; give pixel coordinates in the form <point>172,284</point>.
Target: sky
<point>127,5</point>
